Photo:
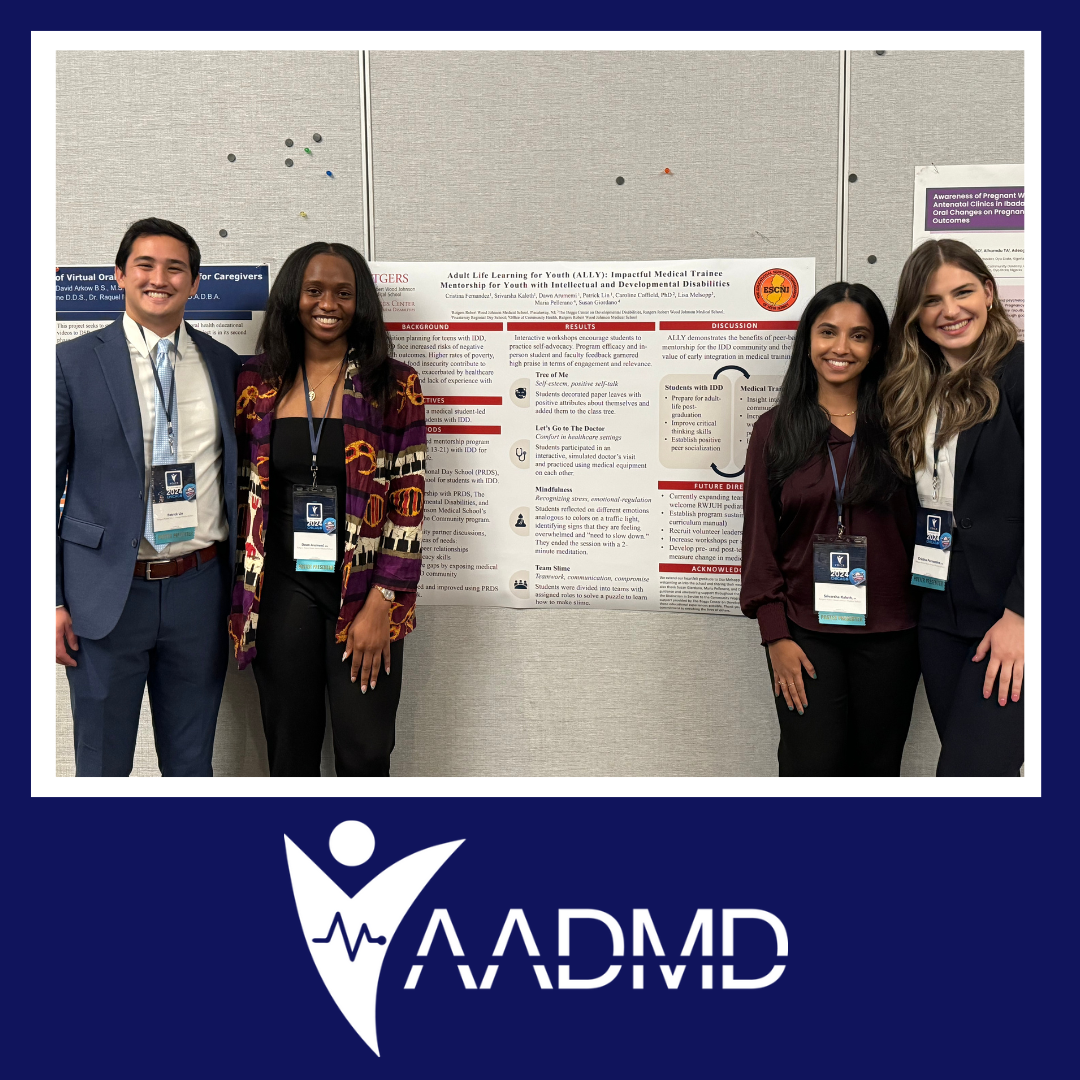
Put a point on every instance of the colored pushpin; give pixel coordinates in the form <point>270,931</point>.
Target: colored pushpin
<point>330,174</point>
<point>306,150</point>
<point>302,214</point>
<point>668,172</point>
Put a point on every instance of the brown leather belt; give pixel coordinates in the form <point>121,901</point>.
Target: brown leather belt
<point>155,569</point>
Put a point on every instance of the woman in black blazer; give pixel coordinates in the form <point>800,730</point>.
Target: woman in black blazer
<point>953,397</point>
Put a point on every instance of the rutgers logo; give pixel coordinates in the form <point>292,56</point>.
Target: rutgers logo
<point>347,937</point>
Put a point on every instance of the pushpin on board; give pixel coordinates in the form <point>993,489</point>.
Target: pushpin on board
<point>302,214</point>
<point>306,150</point>
<point>667,172</point>
<point>330,174</point>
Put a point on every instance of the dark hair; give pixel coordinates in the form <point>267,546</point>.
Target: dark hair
<point>155,226</point>
<point>800,429</point>
<point>281,339</point>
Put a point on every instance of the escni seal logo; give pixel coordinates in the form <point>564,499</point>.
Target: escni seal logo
<point>776,290</point>
<point>348,935</point>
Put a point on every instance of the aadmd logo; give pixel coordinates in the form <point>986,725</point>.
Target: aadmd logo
<point>348,936</point>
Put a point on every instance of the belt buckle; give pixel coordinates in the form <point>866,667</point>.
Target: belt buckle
<point>154,562</point>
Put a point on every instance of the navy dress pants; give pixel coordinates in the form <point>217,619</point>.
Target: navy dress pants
<point>171,638</point>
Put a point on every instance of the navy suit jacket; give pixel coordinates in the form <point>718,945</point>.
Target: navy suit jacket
<point>99,454</point>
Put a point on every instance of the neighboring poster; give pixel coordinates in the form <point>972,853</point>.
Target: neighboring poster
<point>229,306</point>
<point>588,423</point>
<point>982,205</point>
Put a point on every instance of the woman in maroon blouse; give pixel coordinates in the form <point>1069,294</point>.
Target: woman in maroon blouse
<point>850,715</point>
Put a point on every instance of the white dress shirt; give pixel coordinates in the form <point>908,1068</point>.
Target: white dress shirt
<point>946,469</point>
<point>197,427</point>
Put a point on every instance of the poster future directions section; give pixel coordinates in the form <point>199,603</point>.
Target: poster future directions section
<point>588,423</point>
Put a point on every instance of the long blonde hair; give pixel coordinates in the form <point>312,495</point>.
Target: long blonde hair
<point>916,373</point>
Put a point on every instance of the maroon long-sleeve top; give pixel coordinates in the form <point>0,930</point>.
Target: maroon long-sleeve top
<point>778,551</point>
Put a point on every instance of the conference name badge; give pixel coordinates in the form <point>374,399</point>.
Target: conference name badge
<point>172,498</point>
<point>315,528</point>
<point>840,580</point>
<point>933,548</point>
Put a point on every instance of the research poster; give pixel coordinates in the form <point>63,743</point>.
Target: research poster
<point>588,423</point>
<point>230,303</point>
<point>982,205</point>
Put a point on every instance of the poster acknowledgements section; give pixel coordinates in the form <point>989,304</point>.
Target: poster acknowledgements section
<point>588,423</point>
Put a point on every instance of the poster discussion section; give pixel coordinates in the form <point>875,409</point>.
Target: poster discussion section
<point>588,423</point>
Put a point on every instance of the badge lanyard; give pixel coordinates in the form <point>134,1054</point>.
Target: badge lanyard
<point>166,405</point>
<point>838,488</point>
<point>937,431</point>
<point>314,436</point>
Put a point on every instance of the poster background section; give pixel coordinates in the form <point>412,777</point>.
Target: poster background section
<point>230,303</point>
<point>892,969</point>
<point>982,206</point>
<point>588,423</point>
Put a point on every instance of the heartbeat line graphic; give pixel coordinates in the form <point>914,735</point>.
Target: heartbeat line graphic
<point>338,924</point>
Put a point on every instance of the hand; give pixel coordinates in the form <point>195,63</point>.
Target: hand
<point>65,636</point>
<point>1004,641</point>
<point>368,640</point>
<point>788,661</point>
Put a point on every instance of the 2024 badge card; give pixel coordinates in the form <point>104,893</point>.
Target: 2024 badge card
<point>840,580</point>
<point>172,495</point>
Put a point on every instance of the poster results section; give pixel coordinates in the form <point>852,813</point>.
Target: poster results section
<point>588,423</point>
<point>982,206</point>
<point>230,304</point>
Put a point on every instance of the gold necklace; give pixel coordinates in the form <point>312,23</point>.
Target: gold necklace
<point>311,392</point>
<point>852,413</point>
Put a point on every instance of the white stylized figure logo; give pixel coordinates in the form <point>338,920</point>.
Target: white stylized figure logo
<point>348,936</point>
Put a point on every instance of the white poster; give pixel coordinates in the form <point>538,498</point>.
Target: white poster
<point>982,205</point>
<point>588,423</point>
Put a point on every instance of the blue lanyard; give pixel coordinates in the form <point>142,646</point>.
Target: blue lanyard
<point>316,437</point>
<point>838,488</point>
<point>166,405</point>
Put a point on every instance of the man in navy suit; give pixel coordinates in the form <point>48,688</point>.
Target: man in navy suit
<point>142,596</point>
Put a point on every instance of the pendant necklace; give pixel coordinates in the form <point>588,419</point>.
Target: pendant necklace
<point>311,392</point>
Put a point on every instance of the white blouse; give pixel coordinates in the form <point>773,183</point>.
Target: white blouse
<point>942,499</point>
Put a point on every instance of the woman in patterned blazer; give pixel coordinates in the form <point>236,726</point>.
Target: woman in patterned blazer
<point>331,499</point>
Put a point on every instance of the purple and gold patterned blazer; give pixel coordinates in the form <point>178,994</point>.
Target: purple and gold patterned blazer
<point>384,500</point>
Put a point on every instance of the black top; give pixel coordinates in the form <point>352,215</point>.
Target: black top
<point>290,463</point>
<point>778,544</point>
<point>986,568</point>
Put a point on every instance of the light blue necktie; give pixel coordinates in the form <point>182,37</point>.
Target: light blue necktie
<point>163,454</point>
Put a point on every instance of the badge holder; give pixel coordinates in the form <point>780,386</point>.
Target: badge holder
<point>933,547</point>
<point>840,565</point>
<point>172,495</point>
<point>315,517</point>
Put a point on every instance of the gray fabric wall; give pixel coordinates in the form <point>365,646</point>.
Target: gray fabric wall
<point>514,156</point>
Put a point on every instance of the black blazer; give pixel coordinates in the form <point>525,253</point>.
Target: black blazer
<point>988,499</point>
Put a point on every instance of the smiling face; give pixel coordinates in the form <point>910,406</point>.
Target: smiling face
<point>157,282</point>
<point>327,300</point>
<point>841,343</point>
<point>953,312</point>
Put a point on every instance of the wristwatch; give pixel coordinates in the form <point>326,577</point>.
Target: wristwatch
<point>388,594</point>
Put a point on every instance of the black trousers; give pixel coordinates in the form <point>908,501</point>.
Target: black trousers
<point>859,706</point>
<point>297,662</point>
<point>978,736</point>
